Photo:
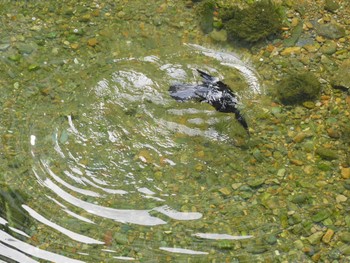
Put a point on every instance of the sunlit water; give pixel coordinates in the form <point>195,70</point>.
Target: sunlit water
<point>131,174</point>
<point>99,164</point>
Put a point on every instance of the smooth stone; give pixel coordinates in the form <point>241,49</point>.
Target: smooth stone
<point>328,48</point>
<point>219,36</point>
<point>331,5</point>
<point>121,14</point>
<point>225,191</point>
<point>256,182</point>
<point>26,48</point>
<point>281,172</point>
<point>333,133</point>
<point>312,48</point>
<point>276,110</point>
<point>299,137</point>
<point>326,154</point>
<point>345,173</point>
<point>345,250</point>
<point>92,42</point>
<point>291,50</point>
<point>341,198</point>
<point>320,216</point>
<point>345,237</point>
<point>341,77</point>
<point>235,186</point>
<point>328,236</point>
<point>309,104</point>
<point>315,238</point>
<point>3,47</point>
<point>300,199</point>
<point>330,30</point>
<point>296,32</point>
<point>271,239</point>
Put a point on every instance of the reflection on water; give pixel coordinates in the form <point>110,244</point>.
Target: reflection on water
<point>109,174</point>
<point>18,250</point>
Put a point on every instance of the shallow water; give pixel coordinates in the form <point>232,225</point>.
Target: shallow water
<point>99,163</point>
<point>130,166</point>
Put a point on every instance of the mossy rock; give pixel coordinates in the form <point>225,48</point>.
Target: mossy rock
<point>205,10</point>
<point>10,207</point>
<point>297,88</point>
<point>331,5</point>
<point>326,154</point>
<point>255,22</point>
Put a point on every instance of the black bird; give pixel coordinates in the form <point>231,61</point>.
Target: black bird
<point>212,91</point>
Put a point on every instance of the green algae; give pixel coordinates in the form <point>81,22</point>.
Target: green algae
<point>205,12</point>
<point>254,22</point>
<point>296,88</point>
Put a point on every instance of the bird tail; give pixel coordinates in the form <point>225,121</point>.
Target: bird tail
<point>206,76</point>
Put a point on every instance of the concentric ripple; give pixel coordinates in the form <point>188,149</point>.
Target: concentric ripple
<point>108,174</point>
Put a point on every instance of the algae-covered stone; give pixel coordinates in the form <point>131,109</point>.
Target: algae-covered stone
<point>205,11</point>
<point>220,36</point>
<point>321,215</point>
<point>330,30</point>
<point>296,88</point>
<point>257,21</point>
<point>27,48</point>
<point>315,238</point>
<point>331,5</point>
<point>256,182</point>
<point>341,76</point>
<point>345,237</point>
<point>329,48</point>
<point>301,199</point>
<point>326,154</point>
<point>295,34</point>
<point>345,250</point>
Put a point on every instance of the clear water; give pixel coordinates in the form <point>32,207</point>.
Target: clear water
<point>100,164</point>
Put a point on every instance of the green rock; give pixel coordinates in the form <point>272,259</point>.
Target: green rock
<point>330,30</point>
<point>121,238</point>
<point>345,250</point>
<point>15,57</point>
<point>345,237</point>
<point>271,239</point>
<point>257,182</point>
<point>315,238</point>
<point>326,154</point>
<point>329,48</point>
<point>296,88</point>
<point>294,219</point>
<point>3,47</point>
<point>295,34</point>
<point>308,146</point>
<point>258,155</point>
<point>27,48</point>
<point>33,67</point>
<point>52,35</point>
<point>257,248</point>
<point>257,21</point>
<point>276,110</point>
<point>205,11</point>
<point>331,5</point>
<point>324,166</point>
<point>341,76</point>
<point>347,184</point>
<point>219,36</point>
<point>309,104</point>
<point>320,216</point>
<point>301,199</point>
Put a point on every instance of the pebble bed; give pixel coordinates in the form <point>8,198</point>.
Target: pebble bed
<point>291,187</point>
